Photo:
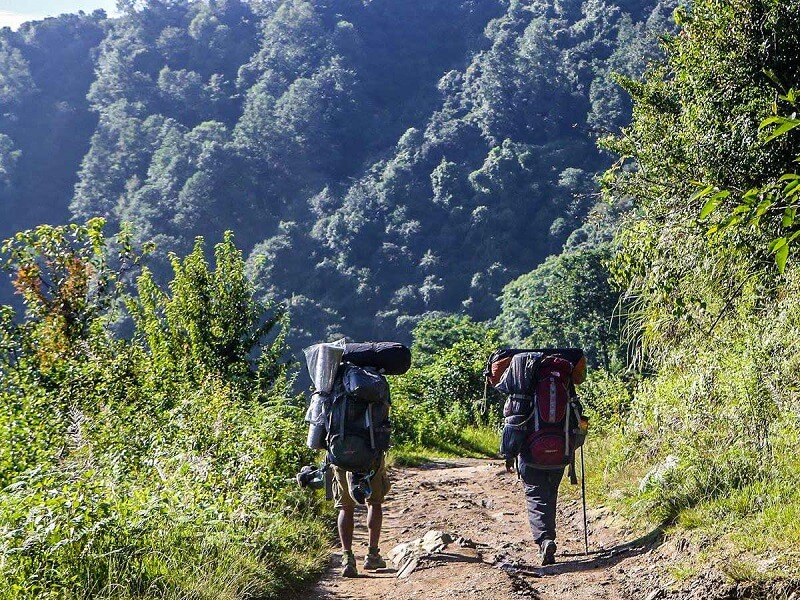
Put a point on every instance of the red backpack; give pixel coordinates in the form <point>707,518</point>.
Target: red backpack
<point>542,413</point>
<point>553,389</point>
<point>550,439</point>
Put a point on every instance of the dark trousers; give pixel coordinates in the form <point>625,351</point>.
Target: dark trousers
<point>541,492</point>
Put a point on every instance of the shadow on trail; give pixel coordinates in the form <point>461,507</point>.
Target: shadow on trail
<point>438,465</point>
<point>377,573</point>
<point>596,559</point>
<point>448,557</point>
<point>648,541</point>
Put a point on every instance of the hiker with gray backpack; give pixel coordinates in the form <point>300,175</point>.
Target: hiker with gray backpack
<point>544,426</point>
<point>348,417</point>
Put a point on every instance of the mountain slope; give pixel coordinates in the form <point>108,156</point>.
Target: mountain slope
<point>381,160</point>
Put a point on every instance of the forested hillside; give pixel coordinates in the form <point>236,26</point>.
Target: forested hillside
<point>377,160</point>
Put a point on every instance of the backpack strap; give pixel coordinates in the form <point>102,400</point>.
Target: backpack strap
<point>327,477</point>
<point>536,381</point>
<point>573,477</point>
<point>570,452</point>
<point>344,416</point>
<point>567,418</point>
<point>533,409</point>
<point>370,426</point>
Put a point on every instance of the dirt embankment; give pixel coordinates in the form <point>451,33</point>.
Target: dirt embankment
<point>493,556</point>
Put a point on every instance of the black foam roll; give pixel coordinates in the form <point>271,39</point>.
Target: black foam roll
<point>389,358</point>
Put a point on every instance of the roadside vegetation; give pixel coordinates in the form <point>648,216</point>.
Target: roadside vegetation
<point>707,262</point>
<point>151,434</point>
<point>155,465</point>
<point>441,407</point>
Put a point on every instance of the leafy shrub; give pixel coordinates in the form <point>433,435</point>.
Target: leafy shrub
<point>567,301</point>
<point>606,398</point>
<point>443,393</point>
<point>159,466</point>
<point>712,322</point>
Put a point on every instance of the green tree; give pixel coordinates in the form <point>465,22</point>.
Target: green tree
<point>567,301</point>
<point>696,119</point>
<point>436,333</point>
<point>210,323</point>
<point>66,282</point>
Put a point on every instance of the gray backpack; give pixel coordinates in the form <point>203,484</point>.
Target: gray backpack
<point>358,429</point>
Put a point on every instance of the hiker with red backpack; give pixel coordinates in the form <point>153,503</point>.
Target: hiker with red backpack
<point>544,425</point>
<point>349,418</point>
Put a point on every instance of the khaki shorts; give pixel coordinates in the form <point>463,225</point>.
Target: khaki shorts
<point>341,493</point>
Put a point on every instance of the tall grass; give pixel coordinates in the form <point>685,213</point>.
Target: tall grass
<point>709,443</point>
<point>157,466</point>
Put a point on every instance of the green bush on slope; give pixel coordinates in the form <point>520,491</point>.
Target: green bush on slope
<point>438,404</point>
<point>728,412</point>
<point>714,321</point>
<point>567,301</point>
<point>156,467</point>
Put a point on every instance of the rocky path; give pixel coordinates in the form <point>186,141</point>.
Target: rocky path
<point>483,507</point>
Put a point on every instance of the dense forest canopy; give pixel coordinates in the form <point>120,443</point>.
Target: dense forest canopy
<point>377,160</point>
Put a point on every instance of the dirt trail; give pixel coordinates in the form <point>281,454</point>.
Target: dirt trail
<point>478,500</point>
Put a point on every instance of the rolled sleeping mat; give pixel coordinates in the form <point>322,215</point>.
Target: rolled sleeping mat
<point>519,377</point>
<point>317,435</point>
<point>389,358</point>
<point>323,361</point>
<point>500,360</point>
<point>574,355</point>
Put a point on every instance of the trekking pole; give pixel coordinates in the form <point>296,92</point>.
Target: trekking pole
<point>583,496</point>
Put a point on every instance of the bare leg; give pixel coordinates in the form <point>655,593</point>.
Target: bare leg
<point>374,523</point>
<point>346,527</point>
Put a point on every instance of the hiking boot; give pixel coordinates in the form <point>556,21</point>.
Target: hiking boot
<point>374,561</point>
<point>548,552</point>
<point>349,564</point>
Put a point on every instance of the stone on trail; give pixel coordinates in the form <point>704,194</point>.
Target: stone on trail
<point>434,541</point>
<point>401,553</point>
<point>406,556</point>
<point>408,568</point>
